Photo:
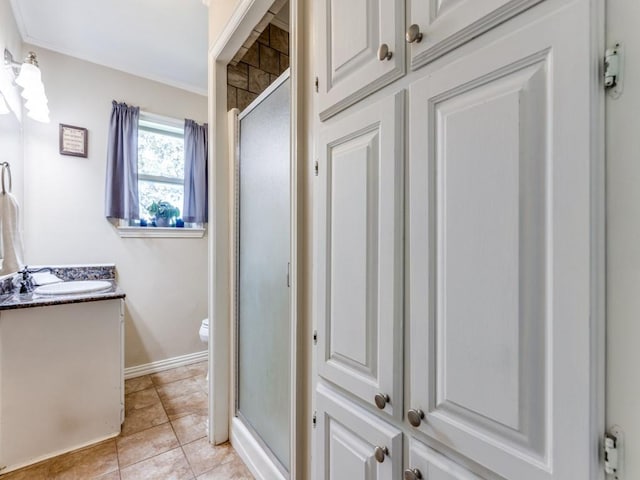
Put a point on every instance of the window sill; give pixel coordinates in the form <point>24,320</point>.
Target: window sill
<point>160,232</point>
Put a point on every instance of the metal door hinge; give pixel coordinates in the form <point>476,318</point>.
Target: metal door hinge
<point>316,168</point>
<point>315,337</point>
<point>314,419</point>
<point>612,453</point>
<point>613,69</point>
<point>317,84</point>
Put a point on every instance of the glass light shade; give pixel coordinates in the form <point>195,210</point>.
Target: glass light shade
<point>33,91</point>
<point>39,115</point>
<point>36,104</point>
<point>4,108</point>
<point>37,107</point>
<point>29,76</point>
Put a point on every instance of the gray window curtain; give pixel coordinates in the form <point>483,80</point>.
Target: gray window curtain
<point>196,145</point>
<point>121,189</point>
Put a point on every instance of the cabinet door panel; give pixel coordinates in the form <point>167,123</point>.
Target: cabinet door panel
<point>61,379</point>
<point>434,466</point>
<point>349,34</point>
<point>359,252</point>
<point>500,242</point>
<point>347,438</point>
<point>447,24</point>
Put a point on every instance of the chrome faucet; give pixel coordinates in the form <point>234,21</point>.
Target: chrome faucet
<point>26,282</point>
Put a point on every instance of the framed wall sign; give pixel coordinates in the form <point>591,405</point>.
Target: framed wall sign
<point>73,140</point>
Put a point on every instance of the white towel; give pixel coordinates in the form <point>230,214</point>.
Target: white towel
<point>11,256</point>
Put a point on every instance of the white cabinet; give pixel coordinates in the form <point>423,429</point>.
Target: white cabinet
<point>498,297</point>
<point>359,253</point>
<point>362,43</point>
<point>501,251</point>
<point>354,445</point>
<point>61,379</point>
<point>447,24</point>
<point>426,464</point>
<point>351,37</point>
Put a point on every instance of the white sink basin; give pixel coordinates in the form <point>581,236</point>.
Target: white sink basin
<point>70,288</point>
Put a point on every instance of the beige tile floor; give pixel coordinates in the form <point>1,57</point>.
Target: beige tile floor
<point>163,438</point>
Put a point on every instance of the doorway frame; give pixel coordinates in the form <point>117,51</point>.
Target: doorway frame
<point>221,233</point>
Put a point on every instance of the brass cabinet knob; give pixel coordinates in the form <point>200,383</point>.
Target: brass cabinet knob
<point>415,417</point>
<point>380,453</point>
<point>384,53</point>
<point>413,34</point>
<point>412,474</point>
<point>381,400</point>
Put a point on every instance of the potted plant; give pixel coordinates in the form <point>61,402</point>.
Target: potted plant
<point>163,213</point>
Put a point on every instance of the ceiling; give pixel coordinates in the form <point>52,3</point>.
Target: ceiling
<point>162,40</point>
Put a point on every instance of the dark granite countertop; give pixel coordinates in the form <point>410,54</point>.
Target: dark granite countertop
<point>29,300</point>
<point>11,301</point>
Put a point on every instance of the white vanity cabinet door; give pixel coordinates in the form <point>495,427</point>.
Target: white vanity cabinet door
<point>503,249</point>
<point>358,252</point>
<point>349,440</point>
<point>61,378</point>
<point>350,33</point>
<point>427,464</point>
<point>447,24</point>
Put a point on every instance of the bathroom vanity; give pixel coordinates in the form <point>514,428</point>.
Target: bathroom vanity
<point>61,374</point>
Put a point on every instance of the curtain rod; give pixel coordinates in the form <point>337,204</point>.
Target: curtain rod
<point>179,122</point>
<point>162,118</point>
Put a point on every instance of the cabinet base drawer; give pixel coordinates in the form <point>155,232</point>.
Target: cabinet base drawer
<point>352,444</point>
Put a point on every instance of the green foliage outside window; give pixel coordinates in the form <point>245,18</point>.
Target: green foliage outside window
<point>160,154</point>
<point>160,168</point>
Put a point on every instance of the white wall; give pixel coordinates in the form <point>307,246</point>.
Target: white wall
<point>623,237</point>
<point>165,279</point>
<point>220,11</point>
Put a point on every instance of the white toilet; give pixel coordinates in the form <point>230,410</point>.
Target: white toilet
<point>204,331</point>
<point>204,337</point>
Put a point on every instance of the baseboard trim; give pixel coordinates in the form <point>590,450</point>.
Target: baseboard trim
<point>48,456</point>
<point>167,364</point>
<point>252,453</point>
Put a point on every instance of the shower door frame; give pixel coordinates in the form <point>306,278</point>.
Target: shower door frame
<point>222,275</point>
<point>235,117</point>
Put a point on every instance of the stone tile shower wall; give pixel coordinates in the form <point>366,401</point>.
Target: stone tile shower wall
<point>265,60</point>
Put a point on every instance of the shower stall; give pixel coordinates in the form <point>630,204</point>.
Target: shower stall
<point>262,291</point>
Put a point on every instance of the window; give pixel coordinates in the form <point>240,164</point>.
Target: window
<point>160,175</point>
<point>160,164</point>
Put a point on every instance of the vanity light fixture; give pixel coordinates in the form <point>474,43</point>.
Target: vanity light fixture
<point>28,77</point>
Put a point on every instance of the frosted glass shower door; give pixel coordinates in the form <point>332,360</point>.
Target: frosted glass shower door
<point>263,328</point>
